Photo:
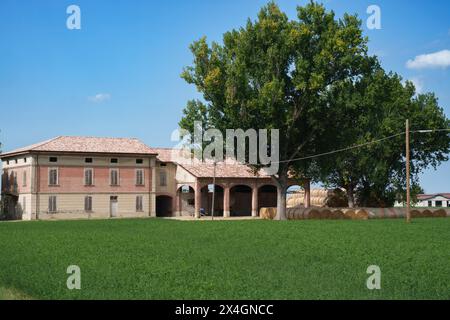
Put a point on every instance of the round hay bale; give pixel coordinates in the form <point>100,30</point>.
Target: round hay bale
<point>349,214</point>
<point>427,214</point>
<point>314,214</point>
<point>415,213</point>
<point>268,213</point>
<point>338,214</point>
<point>362,214</point>
<point>441,213</point>
<point>326,214</point>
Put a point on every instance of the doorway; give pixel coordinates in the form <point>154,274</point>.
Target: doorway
<point>113,206</point>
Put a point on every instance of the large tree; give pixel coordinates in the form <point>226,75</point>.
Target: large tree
<point>274,73</point>
<point>375,106</point>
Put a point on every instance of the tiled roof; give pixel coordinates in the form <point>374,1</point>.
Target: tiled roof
<point>87,145</point>
<point>431,196</point>
<point>223,170</point>
<point>164,154</point>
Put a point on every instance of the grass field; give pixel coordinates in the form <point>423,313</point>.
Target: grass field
<point>165,259</point>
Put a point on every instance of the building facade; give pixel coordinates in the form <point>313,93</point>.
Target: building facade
<point>88,177</point>
<point>440,200</point>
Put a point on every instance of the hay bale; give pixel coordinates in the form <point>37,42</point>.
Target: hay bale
<point>427,214</point>
<point>416,213</point>
<point>313,214</point>
<point>441,213</point>
<point>338,214</point>
<point>268,213</point>
<point>349,214</point>
<point>361,214</point>
<point>326,214</point>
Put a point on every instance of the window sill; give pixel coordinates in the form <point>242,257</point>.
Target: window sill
<point>53,185</point>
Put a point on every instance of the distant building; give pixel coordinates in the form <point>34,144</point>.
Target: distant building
<point>434,200</point>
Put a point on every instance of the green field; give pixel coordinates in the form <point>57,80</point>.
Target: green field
<point>166,259</point>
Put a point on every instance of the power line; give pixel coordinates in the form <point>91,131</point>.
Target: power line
<point>361,145</point>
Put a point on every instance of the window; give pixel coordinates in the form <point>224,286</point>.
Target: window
<point>88,203</point>
<point>438,204</point>
<point>139,205</point>
<point>114,160</point>
<point>7,162</point>
<point>430,204</point>
<point>14,179</point>
<point>24,204</point>
<point>25,160</point>
<point>114,177</point>
<point>139,161</point>
<point>88,160</point>
<point>24,178</point>
<point>88,177</point>
<point>162,178</point>
<point>52,204</point>
<point>15,161</point>
<point>162,164</point>
<point>53,159</point>
<point>52,176</point>
<point>139,177</point>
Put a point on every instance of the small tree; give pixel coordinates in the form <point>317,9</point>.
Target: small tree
<point>275,73</point>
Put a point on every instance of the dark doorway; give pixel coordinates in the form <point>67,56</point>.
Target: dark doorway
<point>240,201</point>
<point>163,206</point>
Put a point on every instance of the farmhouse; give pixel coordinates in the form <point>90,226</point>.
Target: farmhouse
<point>90,177</point>
<point>434,200</point>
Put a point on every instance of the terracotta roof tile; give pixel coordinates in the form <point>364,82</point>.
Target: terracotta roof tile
<point>87,145</point>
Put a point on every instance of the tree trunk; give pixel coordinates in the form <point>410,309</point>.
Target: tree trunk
<point>350,196</point>
<point>281,183</point>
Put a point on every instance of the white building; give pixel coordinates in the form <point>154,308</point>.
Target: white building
<point>434,200</point>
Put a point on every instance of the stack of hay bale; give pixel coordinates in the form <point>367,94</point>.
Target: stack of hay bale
<point>319,198</point>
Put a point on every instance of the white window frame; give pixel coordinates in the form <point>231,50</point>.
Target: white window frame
<point>136,177</point>
<point>57,176</point>
<point>92,177</point>
<point>110,176</point>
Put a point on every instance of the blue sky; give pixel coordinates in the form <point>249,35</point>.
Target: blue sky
<point>120,74</point>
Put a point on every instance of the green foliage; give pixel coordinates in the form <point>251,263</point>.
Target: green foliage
<point>274,73</point>
<point>374,106</point>
<point>162,259</point>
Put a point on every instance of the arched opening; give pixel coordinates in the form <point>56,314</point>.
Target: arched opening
<point>207,200</point>
<point>295,196</point>
<point>267,197</point>
<point>164,206</point>
<point>240,201</point>
<point>186,201</point>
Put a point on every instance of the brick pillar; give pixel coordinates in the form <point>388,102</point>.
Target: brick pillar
<point>255,212</point>
<point>307,187</point>
<point>178,203</point>
<point>226,202</point>
<point>198,199</point>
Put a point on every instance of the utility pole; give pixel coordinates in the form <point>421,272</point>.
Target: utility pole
<point>408,194</point>
<point>214,190</point>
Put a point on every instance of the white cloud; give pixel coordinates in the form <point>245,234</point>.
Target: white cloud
<point>100,97</point>
<point>440,59</point>
<point>418,83</point>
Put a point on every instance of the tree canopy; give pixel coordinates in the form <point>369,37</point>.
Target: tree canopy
<point>312,79</point>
